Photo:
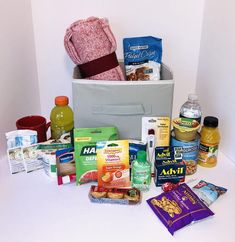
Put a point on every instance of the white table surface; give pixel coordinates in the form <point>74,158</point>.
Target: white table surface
<point>33,208</point>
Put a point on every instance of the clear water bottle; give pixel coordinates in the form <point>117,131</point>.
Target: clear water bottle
<point>191,109</point>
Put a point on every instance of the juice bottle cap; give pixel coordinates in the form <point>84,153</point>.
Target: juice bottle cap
<point>210,121</point>
<point>141,156</point>
<point>61,100</point>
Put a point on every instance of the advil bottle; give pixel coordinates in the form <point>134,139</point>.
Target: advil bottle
<point>62,122</point>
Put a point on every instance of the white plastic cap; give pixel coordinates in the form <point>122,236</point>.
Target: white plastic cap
<point>193,97</point>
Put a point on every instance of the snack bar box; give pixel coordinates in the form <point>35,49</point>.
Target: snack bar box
<point>98,103</point>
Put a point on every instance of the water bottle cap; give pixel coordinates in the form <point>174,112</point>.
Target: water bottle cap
<point>193,97</point>
<point>210,121</point>
<point>61,100</point>
<point>141,156</point>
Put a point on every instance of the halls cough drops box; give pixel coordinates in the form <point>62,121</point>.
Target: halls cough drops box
<point>113,164</point>
<point>85,150</point>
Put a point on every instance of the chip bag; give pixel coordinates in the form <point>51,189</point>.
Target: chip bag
<point>142,58</point>
<point>208,192</point>
<point>85,150</point>
<point>178,208</point>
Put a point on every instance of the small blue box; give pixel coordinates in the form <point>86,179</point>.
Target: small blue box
<point>169,166</point>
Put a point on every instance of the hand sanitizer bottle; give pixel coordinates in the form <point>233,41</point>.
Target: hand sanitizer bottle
<point>141,172</point>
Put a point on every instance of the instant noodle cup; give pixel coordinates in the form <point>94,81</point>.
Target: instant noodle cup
<point>185,129</point>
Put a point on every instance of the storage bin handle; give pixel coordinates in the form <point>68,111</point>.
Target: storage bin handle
<point>122,110</point>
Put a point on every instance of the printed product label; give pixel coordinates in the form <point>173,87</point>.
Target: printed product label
<point>208,154</point>
<point>142,175</point>
<point>85,151</point>
<point>66,171</point>
<point>190,153</point>
<point>15,159</point>
<point>113,163</point>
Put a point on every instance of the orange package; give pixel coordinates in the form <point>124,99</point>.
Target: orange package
<point>113,163</point>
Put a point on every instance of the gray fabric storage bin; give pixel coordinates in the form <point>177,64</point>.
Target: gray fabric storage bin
<point>122,104</point>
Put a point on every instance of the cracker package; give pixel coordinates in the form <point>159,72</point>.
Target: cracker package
<point>142,58</point>
<point>85,150</point>
<point>113,164</point>
<point>178,208</point>
<point>208,192</point>
<point>130,196</point>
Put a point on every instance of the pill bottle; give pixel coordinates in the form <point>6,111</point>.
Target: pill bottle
<point>191,108</point>
<point>62,122</point>
<point>209,143</point>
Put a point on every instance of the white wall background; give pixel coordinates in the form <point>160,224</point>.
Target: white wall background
<point>18,73</point>
<point>178,23</point>
<point>216,73</point>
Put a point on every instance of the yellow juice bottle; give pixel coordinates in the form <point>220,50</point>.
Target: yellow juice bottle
<point>209,143</point>
<point>61,117</point>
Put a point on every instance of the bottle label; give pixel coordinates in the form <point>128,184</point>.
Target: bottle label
<point>141,175</point>
<point>63,135</point>
<point>208,154</point>
<point>197,119</point>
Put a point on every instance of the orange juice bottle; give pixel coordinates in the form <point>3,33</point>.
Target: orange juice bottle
<point>209,143</point>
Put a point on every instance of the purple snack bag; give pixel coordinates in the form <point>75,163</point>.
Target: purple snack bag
<point>179,208</point>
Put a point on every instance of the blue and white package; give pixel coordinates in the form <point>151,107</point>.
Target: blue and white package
<point>20,138</point>
<point>134,147</point>
<point>142,58</point>
<point>208,192</point>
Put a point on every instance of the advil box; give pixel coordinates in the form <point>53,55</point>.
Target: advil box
<point>169,166</point>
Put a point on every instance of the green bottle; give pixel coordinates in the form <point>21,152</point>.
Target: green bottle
<point>141,172</point>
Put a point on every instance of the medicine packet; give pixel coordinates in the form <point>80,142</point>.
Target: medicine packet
<point>19,138</point>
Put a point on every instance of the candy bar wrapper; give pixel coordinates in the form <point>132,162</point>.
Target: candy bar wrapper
<point>208,192</point>
<point>179,208</point>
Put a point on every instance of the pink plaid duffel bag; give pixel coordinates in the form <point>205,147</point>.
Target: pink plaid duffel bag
<point>91,45</point>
